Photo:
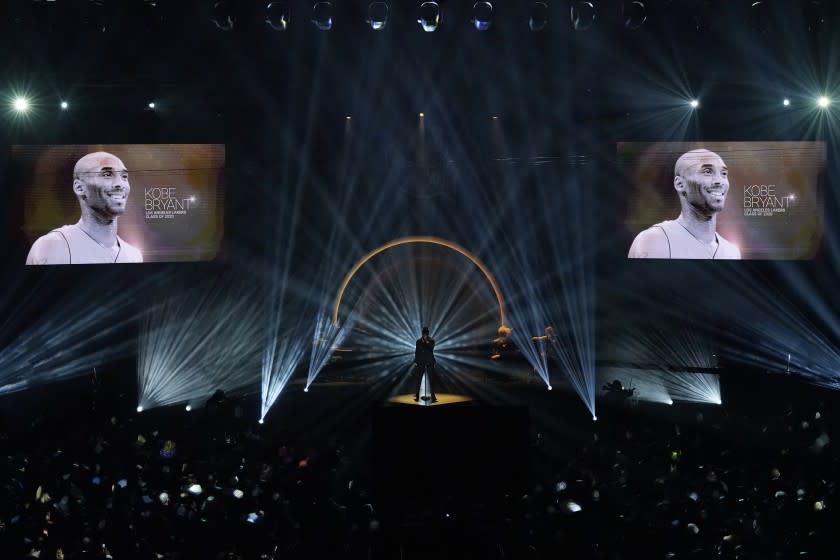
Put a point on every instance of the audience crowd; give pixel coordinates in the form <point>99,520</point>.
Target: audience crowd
<point>212,484</point>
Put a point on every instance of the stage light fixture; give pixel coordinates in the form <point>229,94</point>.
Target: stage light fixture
<point>430,16</point>
<point>582,15</point>
<point>94,15</point>
<point>786,102</point>
<point>482,15</point>
<point>152,15</point>
<point>261,421</point>
<point>151,105</point>
<point>322,15</point>
<point>814,15</point>
<point>823,102</point>
<point>634,13</point>
<point>278,15</point>
<point>223,15</point>
<point>694,104</point>
<point>538,18</point>
<point>594,418</point>
<point>704,14</point>
<point>21,104</point>
<point>64,105</point>
<point>188,408</point>
<point>139,408</point>
<point>760,15</point>
<point>377,15</point>
<point>550,387</point>
<point>306,389</point>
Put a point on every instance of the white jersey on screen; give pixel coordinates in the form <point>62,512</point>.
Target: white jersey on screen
<point>670,240</point>
<point>72,245</point>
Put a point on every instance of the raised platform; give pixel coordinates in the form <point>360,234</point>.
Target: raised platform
<point>434,451</point>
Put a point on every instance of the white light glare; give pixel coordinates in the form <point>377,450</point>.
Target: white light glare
<point>151,105</point>
<point>262,421</point>
<point>64,105</point>
<point>188,408</point>
<point>139,409</point>
<point>786,102</point>
<point>694,103</point>
<point>306,389</point>
<point>549,387</point>
<point>594,418</point>
<point>21,104</point>
<point>823,102</point>
<point>195,489</point>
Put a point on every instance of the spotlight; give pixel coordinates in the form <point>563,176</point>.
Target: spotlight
<point>152,16</point>
<point>151,105</point>
<point>718,401</point>
<point>139,408</point>
<point>277,15</point>
<point>378,15</point>
<point>347,117</point>
<point>704,15</point>
<point>430,16</point>
<point>786,102</point>
<point>550,387</point>
<point>694,103</point>
<point>814,15</point>
<point>322,15</point>
<point>306,389</point>
<point>482,15</point>
<point>64,105</point>
<point>823,102</point>
<point>261,421</point>
<point>635,14</point>
<point>495,117</point>
<point>594,418</point>
<point>670,403</point>
<point>223,16</point>
<point>582,15</point>
<point>94,16</point>
<point>21,104</point>
<point>538,19</point>
<point>760,15</point>
<point>421,115</point>
<point>188,408</point>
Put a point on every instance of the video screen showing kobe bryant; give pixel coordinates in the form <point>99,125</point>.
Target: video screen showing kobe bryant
<point>129,203</point>
<point>723,200</point>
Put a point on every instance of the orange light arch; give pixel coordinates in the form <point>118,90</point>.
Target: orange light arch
<point>428,241</point>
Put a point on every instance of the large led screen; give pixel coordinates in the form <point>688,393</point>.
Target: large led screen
<point>723,200</point>
<point>129,203</point>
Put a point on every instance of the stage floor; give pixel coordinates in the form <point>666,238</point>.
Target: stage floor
<point>442,398</point>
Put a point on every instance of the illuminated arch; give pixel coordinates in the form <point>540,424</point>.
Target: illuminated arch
<point>425,240</point>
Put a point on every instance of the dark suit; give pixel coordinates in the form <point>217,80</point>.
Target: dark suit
<point>424,357</point>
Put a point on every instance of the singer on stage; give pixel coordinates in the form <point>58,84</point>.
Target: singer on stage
<point>424,358</point>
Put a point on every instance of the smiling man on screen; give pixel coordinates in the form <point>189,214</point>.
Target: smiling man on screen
<point>100,182</point>
<point>701,180</point>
